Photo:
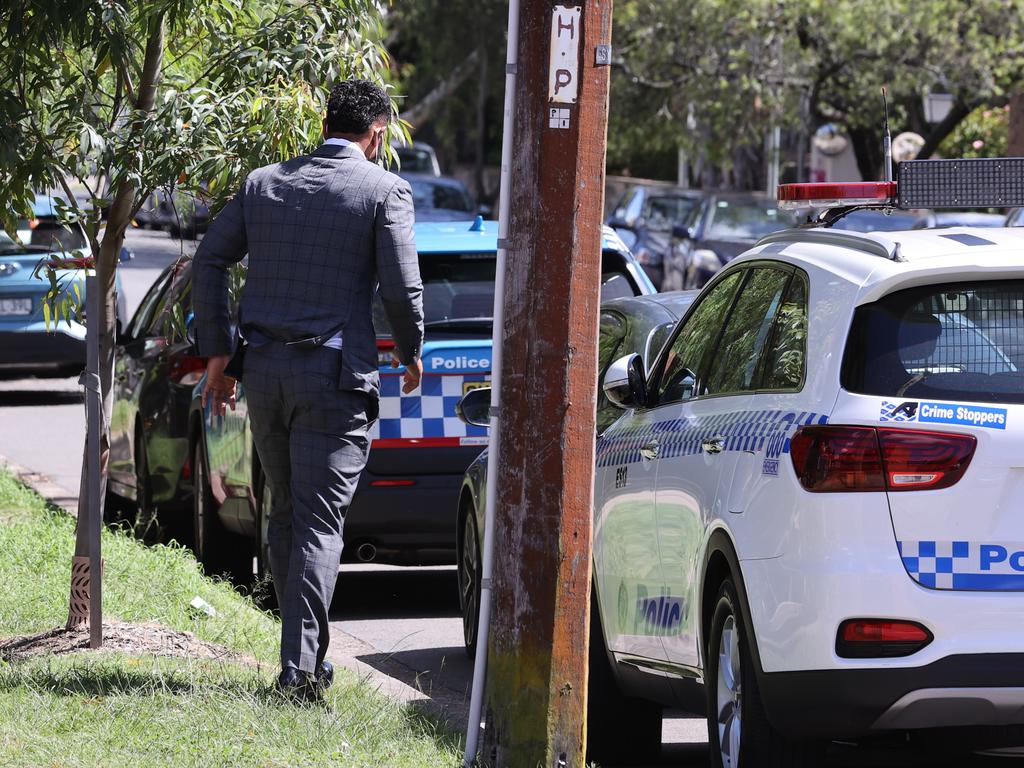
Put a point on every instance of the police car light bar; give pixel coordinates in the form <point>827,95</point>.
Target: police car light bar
<point>990,182</point>
<point>829,195</point>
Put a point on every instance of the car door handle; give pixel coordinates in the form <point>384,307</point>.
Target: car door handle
<point>650,451</point>
<point>713,445</point>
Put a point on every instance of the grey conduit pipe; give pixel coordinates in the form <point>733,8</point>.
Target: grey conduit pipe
<point>493,457</point>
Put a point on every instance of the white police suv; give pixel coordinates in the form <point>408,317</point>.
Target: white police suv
<point>810,516</point>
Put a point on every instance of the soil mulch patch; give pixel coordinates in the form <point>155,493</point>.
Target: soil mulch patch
<point>135,639</point>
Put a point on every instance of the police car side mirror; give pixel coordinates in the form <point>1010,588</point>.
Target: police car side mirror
<point>625,383</point>
<point>474,407</point>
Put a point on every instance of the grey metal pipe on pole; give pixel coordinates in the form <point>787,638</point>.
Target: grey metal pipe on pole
<point>487,565</point>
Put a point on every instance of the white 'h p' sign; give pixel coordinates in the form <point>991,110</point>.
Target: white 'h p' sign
<point>564,62</point>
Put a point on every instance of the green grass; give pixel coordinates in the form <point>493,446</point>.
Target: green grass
<point>111,709</point>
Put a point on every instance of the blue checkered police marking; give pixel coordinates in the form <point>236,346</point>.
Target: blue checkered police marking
<point>427,412</point>
<point>755,431</point>
<point>965,565</point>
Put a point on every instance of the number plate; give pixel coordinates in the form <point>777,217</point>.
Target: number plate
<point>16,306</point>
<point>469,386</point>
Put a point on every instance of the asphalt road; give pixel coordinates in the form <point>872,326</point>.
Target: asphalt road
<point>401,621</point>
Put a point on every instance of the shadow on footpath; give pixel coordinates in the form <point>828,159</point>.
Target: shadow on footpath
<point>397,594</point>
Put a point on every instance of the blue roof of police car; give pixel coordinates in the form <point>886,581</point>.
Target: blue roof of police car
<point>457,237</point>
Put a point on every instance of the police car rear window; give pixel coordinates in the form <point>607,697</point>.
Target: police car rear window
<point>959,341</point>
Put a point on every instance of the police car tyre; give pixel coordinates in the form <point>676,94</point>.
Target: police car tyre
<point>621,730</point>
<point>739,734</point>
<point>469,581</point>
<point>217,550</point>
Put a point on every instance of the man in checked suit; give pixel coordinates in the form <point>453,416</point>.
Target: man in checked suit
<point>321,232</point>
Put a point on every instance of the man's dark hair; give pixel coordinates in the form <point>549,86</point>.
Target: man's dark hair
<point>355,105</point>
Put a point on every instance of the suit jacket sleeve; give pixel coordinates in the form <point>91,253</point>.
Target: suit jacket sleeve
<point>224,244</point>
<point>398,271</point>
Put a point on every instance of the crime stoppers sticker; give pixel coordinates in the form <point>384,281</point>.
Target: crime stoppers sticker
<point>944,413</point>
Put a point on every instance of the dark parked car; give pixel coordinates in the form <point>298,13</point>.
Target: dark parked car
<point>155,370</point>
<point>644,217</point>
<point>401,511</point>
<point>628,325</point>
<point>417,158</point>
<point>723,226</point>
<point>440,198</point>
<point>179,213</point>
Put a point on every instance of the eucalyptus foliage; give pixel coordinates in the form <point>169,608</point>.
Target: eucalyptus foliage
<point>120,97</point>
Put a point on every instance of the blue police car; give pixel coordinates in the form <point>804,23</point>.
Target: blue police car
<point>402,510</point>
<point>27,342</point>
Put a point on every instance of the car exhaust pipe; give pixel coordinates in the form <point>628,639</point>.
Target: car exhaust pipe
<point>366,552</point>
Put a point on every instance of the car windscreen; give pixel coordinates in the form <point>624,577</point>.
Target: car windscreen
<point>458,290</point>
<point>744,221</point>
<point>415,160</point>
<point>426,194</point>
<point>662,211</point>
<point>48,234</point>
<point>458,293</point>
<point>958,341</point>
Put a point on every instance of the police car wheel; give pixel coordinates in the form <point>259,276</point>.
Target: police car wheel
<point>621,730</point>
<point>469,582</point>
<point>739,734</point>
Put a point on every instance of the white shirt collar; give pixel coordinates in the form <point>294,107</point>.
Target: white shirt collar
<point>334,141</point>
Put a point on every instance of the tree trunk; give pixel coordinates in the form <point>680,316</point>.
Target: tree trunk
<point>118,221</point>
<point>957,113</point>
<point>867,147</point>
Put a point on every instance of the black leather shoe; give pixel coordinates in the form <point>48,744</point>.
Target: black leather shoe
<point>325,675</point>
<point>298,686</point>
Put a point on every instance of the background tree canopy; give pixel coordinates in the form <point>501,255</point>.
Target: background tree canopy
<point>713,76</point>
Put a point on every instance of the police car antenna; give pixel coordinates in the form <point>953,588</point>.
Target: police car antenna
<point>887,140</point>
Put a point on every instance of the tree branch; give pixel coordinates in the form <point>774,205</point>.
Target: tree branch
<point>422,110</point>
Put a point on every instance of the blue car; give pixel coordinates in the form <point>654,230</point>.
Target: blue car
<point>402,509</point>
<point>26,344</point>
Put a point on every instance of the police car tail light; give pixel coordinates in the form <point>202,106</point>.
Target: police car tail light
<point>874,638</point>
<point>831,459</point>
<point>385,348</point>
<point>854,458</point>
<point>919,460</point>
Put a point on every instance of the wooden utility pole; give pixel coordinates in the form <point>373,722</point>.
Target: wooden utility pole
<point>537,655</point>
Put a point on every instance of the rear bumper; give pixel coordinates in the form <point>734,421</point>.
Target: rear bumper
<point>405,525</point>
<point>36,347</point>
<point>955,691</point>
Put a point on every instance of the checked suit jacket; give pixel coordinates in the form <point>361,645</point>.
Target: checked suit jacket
<point>321,231</point>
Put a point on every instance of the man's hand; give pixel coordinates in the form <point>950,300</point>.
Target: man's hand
<point>219,390</point>
<point>413,373</point>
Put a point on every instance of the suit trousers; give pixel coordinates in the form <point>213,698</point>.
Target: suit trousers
<point>312,441</point>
